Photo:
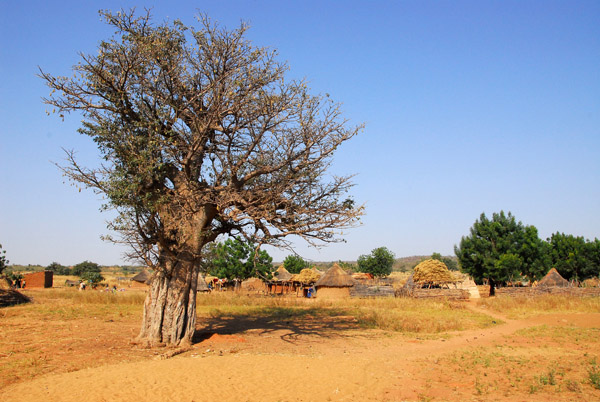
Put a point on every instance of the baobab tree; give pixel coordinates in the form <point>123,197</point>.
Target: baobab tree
<point>201,135</point>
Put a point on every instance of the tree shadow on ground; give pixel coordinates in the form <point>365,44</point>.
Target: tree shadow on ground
<point>288,324</point>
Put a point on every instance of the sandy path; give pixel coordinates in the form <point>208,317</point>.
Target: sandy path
<point>259,366</point>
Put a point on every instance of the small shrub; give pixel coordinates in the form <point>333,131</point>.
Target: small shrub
<point>594,374</point>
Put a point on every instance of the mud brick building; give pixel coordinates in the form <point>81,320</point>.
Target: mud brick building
<point>39,279</point>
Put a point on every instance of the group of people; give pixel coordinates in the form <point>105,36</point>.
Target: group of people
<point>19,283</point>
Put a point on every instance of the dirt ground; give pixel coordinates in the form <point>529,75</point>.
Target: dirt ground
<point>66,358</point>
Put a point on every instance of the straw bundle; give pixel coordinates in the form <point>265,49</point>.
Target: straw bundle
<point>307,275</point>
<point>432,272</point>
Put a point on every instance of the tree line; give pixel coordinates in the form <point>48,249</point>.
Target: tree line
<point>502,249</point>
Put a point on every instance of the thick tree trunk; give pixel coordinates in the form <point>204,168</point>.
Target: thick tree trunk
<point>492,287</point>
<point>170,307</point>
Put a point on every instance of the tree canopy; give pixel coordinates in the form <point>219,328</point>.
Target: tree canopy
<point>85,266</point>
<point>294,263</point>
<point>574,257</point>
<point>379,263</point>
<point>498,250</point>
<point>58,269</point>
<point>238,260</point>
<point>3,260</point>
<point>201,135</point>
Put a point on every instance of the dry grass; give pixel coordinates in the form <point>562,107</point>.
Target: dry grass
<point>391,314</point>
<point>523,307</point>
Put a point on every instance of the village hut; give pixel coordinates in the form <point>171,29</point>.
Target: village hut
<point>141,280</point>
<point>553,280</point>
<point>282,274</point>
<point>201,285</point>
<point>432,273</point>
<point>281,282</point>
<point>43,279</point>
<point>334,284</point>
<point>305,280</point>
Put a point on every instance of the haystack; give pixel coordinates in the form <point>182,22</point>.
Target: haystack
<point>307,276</point>
<point>254,285</point>
<point>282,274</point>
<point>432,273</point>
<point>553,279</point>
<point>336,283</point>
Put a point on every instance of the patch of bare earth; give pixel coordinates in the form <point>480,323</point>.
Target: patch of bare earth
<point>304,358</point>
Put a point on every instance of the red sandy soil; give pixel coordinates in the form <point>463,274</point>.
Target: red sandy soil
<point>304,360</point>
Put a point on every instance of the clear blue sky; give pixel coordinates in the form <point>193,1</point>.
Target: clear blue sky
<point>469,106</point>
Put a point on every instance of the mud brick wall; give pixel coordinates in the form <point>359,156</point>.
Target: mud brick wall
<point>39,279</point>
<point>454,294</point>
<point>529,292</point>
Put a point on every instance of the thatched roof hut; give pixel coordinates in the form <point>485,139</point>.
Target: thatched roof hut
<point>432,273</point>
<point>141,279</point>
<point>201,284</point>
<point>553,279</point>
<point>282,274</point>
<point>335,283</point>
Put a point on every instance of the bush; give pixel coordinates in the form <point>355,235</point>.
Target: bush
<point>92,278</point>
<point>85,266</point>
<point>379,263</point>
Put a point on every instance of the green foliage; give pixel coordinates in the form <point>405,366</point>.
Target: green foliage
<point>58,269</point>
<point>3,260</point>
<point>347,266</point>
<point>449,261</point>
<point>85,266</point>
<point>378,263</point>
<point>500,250</point>
<point>574,257</point>
<point>294,263</point>
<point>594,374</point>
<point>91,277</point>
<point>235,260</point>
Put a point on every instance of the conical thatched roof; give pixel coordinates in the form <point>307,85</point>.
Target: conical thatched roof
<point>201,286</point>
<point>282,274</point>
<point>553,279</point>
<point>307,275</point>
<point>142,277</point>
<point>432,272</point>
<point>335,277</point>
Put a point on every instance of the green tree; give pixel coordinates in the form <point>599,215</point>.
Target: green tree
<point>237,260</point>
<point>294,263</point>
<point>86,266</point>
<point>201,135</point>
<point>92,278</point>
<point>574,257</point>
<point>495,250</point>
<point>347,266</point>
<point>3,260</point>
<point>535,254</point>
<point>58,269</point>
<point>379,263</point>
